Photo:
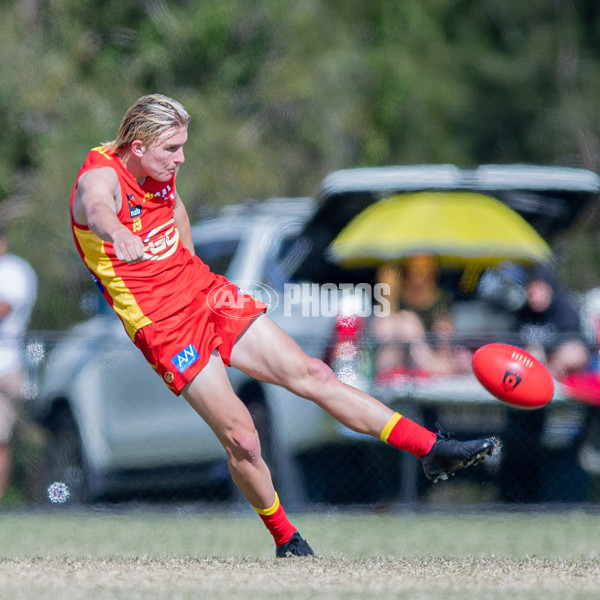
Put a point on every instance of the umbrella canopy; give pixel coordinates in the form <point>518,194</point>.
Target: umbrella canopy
<point>462,228</point>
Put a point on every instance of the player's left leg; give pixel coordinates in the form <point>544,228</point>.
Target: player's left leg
<point>267,353</point>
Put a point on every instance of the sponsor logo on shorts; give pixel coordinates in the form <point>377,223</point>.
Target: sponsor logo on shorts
<point>184,359</point>
<point>237,299</point>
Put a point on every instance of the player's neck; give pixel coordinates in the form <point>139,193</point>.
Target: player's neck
<point>132,164</point>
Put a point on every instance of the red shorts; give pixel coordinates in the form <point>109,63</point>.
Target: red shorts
<point>179,346</point>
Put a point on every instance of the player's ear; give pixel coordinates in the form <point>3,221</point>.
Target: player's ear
<point>138,148</point>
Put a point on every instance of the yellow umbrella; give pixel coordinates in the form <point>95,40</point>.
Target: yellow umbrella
<point>464,229</point>
<point>456,226</point>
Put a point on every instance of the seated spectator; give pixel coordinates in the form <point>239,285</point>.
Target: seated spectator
<point>548,324</point>
<point>417,334</point>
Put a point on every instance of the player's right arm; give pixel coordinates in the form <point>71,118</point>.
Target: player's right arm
<point>96,203</point>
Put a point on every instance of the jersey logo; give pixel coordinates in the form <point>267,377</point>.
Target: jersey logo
<point>135,210</point>
<point>186,358</point>
<point>166,193</point>
<point>161,242</point>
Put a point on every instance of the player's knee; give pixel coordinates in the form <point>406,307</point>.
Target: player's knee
<point>316,375</point>
<point>245,445</point>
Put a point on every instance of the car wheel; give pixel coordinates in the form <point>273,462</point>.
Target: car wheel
<point>64,461</point>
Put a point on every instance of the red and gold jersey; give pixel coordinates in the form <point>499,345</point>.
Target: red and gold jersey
<point>168,278</point>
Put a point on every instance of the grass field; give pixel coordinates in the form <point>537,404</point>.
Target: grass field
<point>140,554</point>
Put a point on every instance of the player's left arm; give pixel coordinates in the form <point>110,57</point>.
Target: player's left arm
<point>182,222</point>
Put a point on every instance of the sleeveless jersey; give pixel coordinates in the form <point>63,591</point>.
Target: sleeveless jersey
<point>168,278</point>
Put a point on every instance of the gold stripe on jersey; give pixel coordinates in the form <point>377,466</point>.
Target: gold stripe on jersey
<point>124,303</point>
<point>102,150</point>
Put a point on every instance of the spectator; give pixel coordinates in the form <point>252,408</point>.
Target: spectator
<point>548,324</point>
<point>548,327</point>
<point>18,289</point>
<point>421,309</point>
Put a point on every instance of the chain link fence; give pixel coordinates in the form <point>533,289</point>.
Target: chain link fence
<point>98,419</point>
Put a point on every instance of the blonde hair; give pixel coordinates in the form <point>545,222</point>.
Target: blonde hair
<point>147,119</point>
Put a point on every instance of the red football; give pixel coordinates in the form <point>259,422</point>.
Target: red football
<point>513,375</point>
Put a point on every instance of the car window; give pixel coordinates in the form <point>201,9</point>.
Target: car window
<point>274,269</point>
<point>218,254</point>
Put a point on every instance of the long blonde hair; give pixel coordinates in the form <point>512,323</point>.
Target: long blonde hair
<point>147,119</point>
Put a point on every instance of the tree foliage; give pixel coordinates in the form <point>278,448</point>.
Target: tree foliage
<point>280,94</point>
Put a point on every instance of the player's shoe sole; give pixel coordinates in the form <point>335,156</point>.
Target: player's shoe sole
<point>448,455</point>
<point>296,546</point>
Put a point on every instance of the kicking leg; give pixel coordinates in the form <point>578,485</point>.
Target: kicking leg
<point>267,353</point>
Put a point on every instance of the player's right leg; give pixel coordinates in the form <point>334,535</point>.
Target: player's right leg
<point>210,394</point>
<point>212,397</point>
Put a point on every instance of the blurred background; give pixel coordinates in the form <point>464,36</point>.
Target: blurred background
<point>282,94</point>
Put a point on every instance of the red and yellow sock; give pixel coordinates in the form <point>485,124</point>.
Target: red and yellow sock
<point>404,434</point>
<point>276,522</point>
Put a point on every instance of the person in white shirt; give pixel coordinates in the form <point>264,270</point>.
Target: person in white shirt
<point>18,291</point>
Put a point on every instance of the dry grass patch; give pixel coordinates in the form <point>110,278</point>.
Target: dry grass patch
<point>334,578</point>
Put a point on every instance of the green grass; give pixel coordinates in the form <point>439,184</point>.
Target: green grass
<point>565,536</point>
<point>70,555</point>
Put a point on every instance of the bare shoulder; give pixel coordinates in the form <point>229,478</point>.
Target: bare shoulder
<point>97,186</point>
<point>104,178</point>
